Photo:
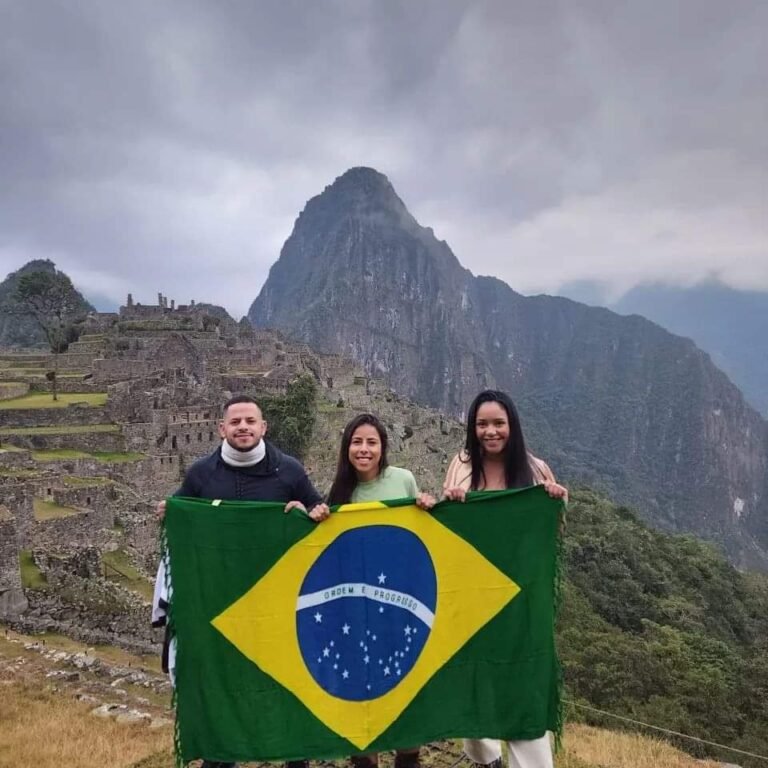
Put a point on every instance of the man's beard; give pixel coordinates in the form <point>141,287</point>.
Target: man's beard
<point>241,449</point>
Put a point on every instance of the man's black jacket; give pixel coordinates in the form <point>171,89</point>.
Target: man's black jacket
<point>277,477</point>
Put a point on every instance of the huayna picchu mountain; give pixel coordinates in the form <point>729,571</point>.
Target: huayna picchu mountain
<point>19,330</point>
<point>614,402</point>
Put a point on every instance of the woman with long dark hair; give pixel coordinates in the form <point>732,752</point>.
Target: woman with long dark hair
<point>364,474</point>
<point>494,458</point>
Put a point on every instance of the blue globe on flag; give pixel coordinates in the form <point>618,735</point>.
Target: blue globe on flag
<point>365,611</point>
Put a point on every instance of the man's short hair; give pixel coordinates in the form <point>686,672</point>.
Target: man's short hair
<point>238,399</point>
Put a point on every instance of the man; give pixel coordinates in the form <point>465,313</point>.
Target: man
<point>245,468</point>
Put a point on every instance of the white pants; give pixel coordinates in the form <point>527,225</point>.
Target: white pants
<point>534,753</point>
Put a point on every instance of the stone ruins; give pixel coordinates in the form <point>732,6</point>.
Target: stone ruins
<point>140,397</point>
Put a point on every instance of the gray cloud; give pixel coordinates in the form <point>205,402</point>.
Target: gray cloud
<point>159,146</point>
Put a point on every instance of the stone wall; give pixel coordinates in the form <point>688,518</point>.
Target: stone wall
<point>79,441</point>
<point>93,611</point>
<point>98,496</point>
<point>92,348</point>
<point>12,600</point>
<point>113,369</point>
<point>72,361</point>
<point>154,476</point>
<point>14,459</point>
<point>64,384</point>
<point>192,440</point>
<point>92,528</point>
<point>17,497</point>
<point>13,389</point>
<point>73,415</point>
<point>142,533</point>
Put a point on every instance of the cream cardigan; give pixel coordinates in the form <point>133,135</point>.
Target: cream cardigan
<point>459,474</point>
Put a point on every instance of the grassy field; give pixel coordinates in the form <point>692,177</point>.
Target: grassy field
<point>45,400</point>
<point>31,576</point>
<point>49,510</point>
<point>68,430</point>
<point>118,568</point>
<point>61,454</point>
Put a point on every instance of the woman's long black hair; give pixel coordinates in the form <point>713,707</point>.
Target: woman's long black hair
<point>517,468</point>
<point>345,482</point>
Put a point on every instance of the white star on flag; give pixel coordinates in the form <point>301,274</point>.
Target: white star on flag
<point>326,651</point>
<point>345,629</point>
<point>386,671</point>
<point>345,674</point>
<point>382,577</point>
<point>318,617</point>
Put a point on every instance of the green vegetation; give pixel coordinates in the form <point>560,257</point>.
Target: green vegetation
<point>118,568</point>
<point>50,510</point>
<point>61,454</point>
<point>50,299</point>
<point>66,430</point>
<point>27,371</point>
<point>291,417</point>
<point>31,576</point>
<point>45,400</point>
<point>662,629</point>
<point>19,473</point>
<point>116,456</point>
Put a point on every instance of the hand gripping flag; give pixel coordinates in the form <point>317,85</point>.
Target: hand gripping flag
<point>384,626</point>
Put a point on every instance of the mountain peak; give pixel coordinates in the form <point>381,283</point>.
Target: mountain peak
<point>361,191</point>
<point>362,180</point>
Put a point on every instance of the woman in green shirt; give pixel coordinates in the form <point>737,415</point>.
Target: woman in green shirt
<point>363,474</point>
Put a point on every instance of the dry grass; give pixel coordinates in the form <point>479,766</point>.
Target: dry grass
<point>44,730</point>
<point>614,749</point>
<point>45,400</point>
<point>62,454</point>
<point>50,510</point>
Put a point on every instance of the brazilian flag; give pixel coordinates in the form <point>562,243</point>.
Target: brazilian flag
<point>384,626</point>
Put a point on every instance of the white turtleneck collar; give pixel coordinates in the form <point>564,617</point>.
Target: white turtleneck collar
<point>241,459</point>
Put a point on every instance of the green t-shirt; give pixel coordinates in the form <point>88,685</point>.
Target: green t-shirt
<point>392,483</point>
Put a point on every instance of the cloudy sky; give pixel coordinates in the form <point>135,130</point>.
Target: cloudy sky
<point>169,146</point>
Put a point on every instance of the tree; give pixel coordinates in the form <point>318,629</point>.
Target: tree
<point>51,299</point>
<point>291,417</point>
